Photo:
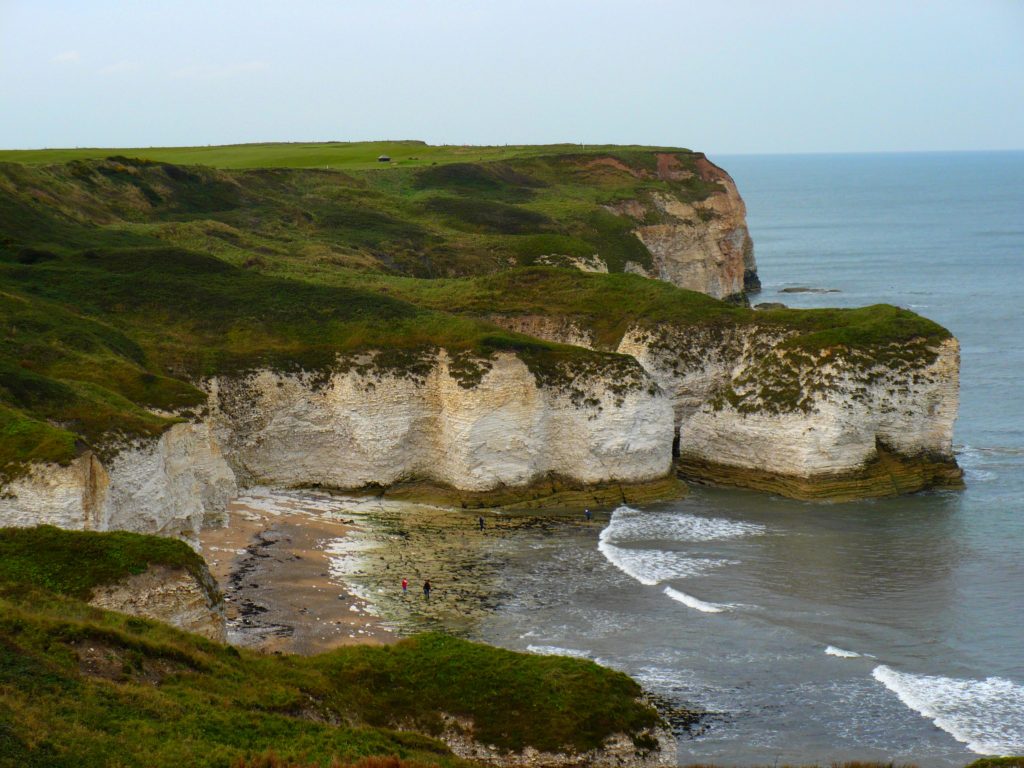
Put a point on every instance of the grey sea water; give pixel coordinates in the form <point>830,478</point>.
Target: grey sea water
<point>889,629</point>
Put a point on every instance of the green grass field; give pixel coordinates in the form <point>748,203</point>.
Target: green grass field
<point>342,155</point>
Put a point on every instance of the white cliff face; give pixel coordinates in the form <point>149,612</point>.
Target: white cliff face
<point>171,486</point>
<point>847,408</point>
<point>724,397</point>
<point>847,412</point>
<point>363,427</point>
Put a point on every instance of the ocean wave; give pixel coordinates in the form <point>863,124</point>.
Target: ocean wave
<point>653,566</point>
<point>554,650</point>
<point>628,524</point>
<point>986,715</point>
<point>695,603</point>
<point>841,653</point>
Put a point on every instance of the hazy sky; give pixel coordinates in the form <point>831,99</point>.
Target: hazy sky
<point>718,75</point>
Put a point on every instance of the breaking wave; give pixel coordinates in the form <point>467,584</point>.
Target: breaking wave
<point>653,566</point>
<point>695,603</point>
<point>986,715</point>
<point>841,653</point>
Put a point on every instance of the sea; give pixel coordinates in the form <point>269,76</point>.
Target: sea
<point>889,629</point>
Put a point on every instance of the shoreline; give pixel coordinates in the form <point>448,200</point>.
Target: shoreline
<point>305,571</point>
<point>272,564</point>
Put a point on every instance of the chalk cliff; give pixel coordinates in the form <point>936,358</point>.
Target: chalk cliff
<point>173,486</point>
<point>702,245</point>
<point>370,426</point>
<point>753,412</point>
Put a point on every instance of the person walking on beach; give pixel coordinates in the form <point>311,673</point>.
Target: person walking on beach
<point>405,586</point>
<point>480,520</point>
<point>426,589</point>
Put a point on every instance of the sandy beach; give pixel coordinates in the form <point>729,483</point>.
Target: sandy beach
<point>304,571</point>
<point>271,561</point>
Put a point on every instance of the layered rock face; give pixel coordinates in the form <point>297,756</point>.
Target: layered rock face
<point>750,412</point>
<point>702,246</point>
<point>367,426</point>
<point>736,405</point>
<point>832,427</point>
<point>173,486</point>
<point>171,595</point>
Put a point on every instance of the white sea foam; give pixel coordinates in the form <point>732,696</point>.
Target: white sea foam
<point>695,603</point>
<point>554,650</point>
<point>986,715</point>
<point>653,566</point>
<point>841,653</point>
<point>628,524</point>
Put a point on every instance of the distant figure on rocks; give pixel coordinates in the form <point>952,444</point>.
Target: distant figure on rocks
<point>588,515</point>
<point>480,520</point>
<point>405,586</point>
<point>426,589</point>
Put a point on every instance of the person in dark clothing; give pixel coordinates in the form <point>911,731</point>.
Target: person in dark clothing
<point>481,522</point>
<point>426,589</point>
<point>588,515</point>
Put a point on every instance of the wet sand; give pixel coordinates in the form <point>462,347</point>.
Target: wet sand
<point>272,564</point>
<point>304,572</point>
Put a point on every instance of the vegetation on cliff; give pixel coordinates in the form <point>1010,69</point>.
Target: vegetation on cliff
<point>80,686</point>
<point>126,281</point>
<point>73,563</point>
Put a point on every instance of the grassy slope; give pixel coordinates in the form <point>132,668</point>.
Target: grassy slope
<point>73,563</point>
<point>82,687</point>
<point>122,281</point>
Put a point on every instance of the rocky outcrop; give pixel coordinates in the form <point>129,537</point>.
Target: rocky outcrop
<point>736,404</point>
<point>499,428</point>
<point>699,243</point>
<point>619,751</point>
<point>173,486</point>
<point>174,596</point>
<point>833,425</point>
<point>750,411</point>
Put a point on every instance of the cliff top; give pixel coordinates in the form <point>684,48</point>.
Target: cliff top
<point>338,155</point>
<point>73,563</point>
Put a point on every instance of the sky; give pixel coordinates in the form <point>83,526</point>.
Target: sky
<point>722,76</point>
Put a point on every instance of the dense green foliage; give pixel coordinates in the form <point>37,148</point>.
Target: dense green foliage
<point>498,690</point>
<point>73,563</point>
<point>84,687</point>
<point>125,281</point>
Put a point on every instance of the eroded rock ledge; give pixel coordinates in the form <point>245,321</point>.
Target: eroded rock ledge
<point>739,405</point>
<point>174,596</point>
